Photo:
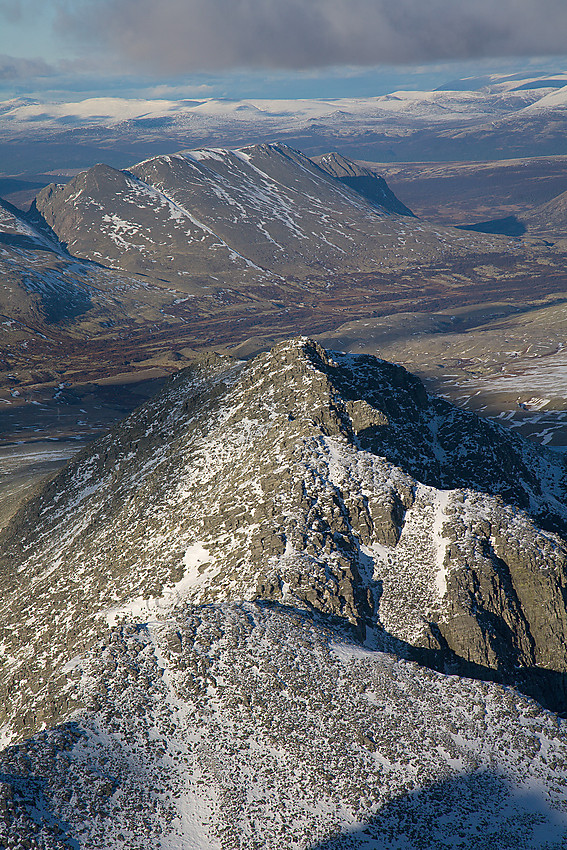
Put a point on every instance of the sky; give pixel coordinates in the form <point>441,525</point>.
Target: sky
<point>60,49</point>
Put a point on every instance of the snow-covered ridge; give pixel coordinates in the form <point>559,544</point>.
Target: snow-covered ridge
<point>433,105</point>
<point>208,619</point>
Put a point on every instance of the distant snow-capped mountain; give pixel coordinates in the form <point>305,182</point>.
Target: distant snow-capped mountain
<point>402,125</point>
<point>442,104</point>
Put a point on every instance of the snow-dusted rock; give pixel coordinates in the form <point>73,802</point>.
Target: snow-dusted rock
<point>201,603</point>
<point>246,726</point>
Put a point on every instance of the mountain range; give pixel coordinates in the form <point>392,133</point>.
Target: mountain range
<point>297,601</point>
<point>294,599</point>
<point>494,117</point>
<point>201,245</point>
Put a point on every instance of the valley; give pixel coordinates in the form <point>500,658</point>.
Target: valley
<point>460,193</point>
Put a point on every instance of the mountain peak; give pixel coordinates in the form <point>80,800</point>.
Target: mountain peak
<point>264,213</point>
<point>308,479</point>
<point>338,165</point>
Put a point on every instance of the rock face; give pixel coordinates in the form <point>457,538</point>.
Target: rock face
<point>203,598</point>
<point>362,180</point>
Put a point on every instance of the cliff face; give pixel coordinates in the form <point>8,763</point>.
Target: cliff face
<point>369,184</point>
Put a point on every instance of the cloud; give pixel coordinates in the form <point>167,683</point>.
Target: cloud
<point>17,68</point>
<point>177,36</point>
<point>11,10</point>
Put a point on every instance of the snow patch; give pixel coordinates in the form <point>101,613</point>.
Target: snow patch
<point>156,608</point>
<point>441,499</point>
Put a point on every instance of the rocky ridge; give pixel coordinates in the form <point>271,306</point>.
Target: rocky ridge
<point>171,597</point>
<point>16,229</point>
<point>326,481</point>
<point>243,726</point>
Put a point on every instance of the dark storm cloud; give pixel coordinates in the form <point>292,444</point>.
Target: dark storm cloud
<point>185,35</point>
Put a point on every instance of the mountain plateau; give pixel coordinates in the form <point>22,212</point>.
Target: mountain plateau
<point>491,118</point>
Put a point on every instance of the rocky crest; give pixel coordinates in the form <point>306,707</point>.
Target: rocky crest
<point>211,618</point>
<point>317,480</point>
